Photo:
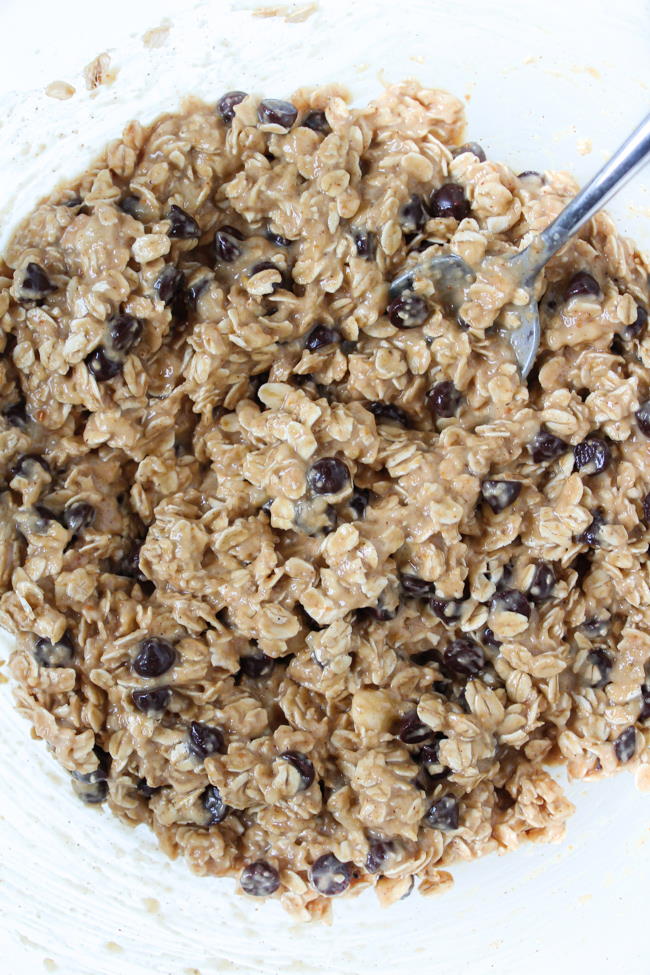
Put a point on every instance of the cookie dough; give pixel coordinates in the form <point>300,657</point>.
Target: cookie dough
<point>308,580</point>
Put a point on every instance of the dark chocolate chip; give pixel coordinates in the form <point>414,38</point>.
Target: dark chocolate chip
<point>320,337</point>
<point>511,601</point>
<point>366,243</point>
<point>256,665</point>
<point>329,876</point>
<point>443,400</point>
<point>591,535</point>
<point>546,446</point>
<point>389,413</point>
<point>443,813</point>
<point>152,701</point>
<point>79,515</point>
<point>35,284</point>
<point>225,247</point>
<point>464,656</point>
<point>379,852</point>
<point>205,739</point>
<point>329,475</point>
<point>125,331</point>
<point>592,455</point>
<point>543,582</point>
<point>276,112</point>
<point>227,104</point>
<point>214,805</point>
<point>500,494</point>
<point>317,122</point>
<point>415,588</point>
<point>407,311</point>
<point>412,731</point>
<point>168,283</point>
<point>582,283</point>
<point>154,658</point>
<point>102,366</point>
<point>450,201</point>
<point>413,214</point>
<point>49,654</point>
<point>601,660</point>
<point>643,418</point>
<point>302,765</point>
<point>625,744</point>
<point>472,147</point>
<point>259,879</point>
<point>182,225</point>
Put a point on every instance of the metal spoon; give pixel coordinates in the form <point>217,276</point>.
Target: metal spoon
<point>451,275</point>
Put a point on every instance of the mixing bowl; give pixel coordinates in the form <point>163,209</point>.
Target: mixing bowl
<point>553,85</point>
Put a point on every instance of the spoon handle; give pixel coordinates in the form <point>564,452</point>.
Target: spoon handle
<point>625,162</point>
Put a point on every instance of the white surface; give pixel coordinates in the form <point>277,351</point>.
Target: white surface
<point>541,77</point>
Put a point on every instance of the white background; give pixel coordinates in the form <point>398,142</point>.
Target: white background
<point>79,893</point>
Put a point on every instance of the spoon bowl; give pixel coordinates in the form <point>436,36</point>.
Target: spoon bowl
<point>451,275</point>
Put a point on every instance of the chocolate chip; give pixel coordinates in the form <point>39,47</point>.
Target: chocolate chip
<point>91,787</point>
<point>592,455</point>
<point>581,283</point>
<point>259,879</point>
<point>464,656</point>
<point>359,502</point>
<point>379,852</point>
<point>389,413</point>
<point>602,662</point>
<point>543,582</point>
<point>488,638</point>
<point>443,813</point>
<point>225,247</point>
<point>284,282</point>
<point>205,739</point>
<point>103,366</point>
<point>129,564</point>
<point>125,331</point>
<point>366,243</point>
<point>531,174</point>
<point>49,654</point>
<point>329,475</point>
<point>644,713</point>
<point>415,588</point>
<point>169,282</point>
<point>593,628</point>
<point>152,701</point>
<point>500,494</point>
<point>227,104</point>
<point>591,535</point>
<point>214,805</point>
<point>443,400</point>
<point>182,225</point>
<point>502,799</point>
<point>154,657</point>
<point>146,790</point>
<point>412,731</point>
<point>511,601</point>
<point>625,744</point>
<point>407,311</point>
<point>255,383</point>
<point>278,239</point>
<point>473,147</point>
<point>302,765</point>
<point>413,214</point>
<point>276,112</point>
<point>16,415</point>
<point>35,284</point>
<point>320,337</point>
<point>79,515</point>
<point>329,876</point>
<point>26,466</point>
<point>317,122</point>
<point>129,204</point>
<point>256,665</point>
<point>450,201</point>
<point>635,329</point>
<point>546,446</point>
<point>643,418</point>
<point>447,610</point>
<point>645,506</point>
